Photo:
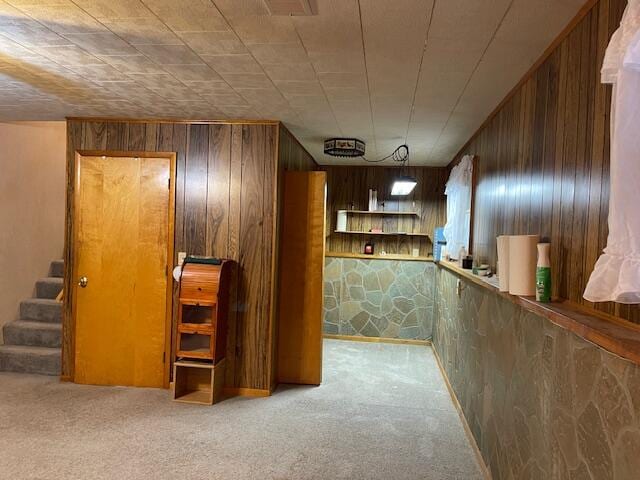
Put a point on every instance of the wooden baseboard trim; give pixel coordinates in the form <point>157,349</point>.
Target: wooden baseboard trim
<point>467,430</point>
<point>354,338</point>
<point>246,392</point>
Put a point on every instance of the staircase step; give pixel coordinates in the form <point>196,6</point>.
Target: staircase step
<point>36,334</point>
<point>48,287</point>
<point>41,310</point>
<point>23,359</point>
<point>57,269</point>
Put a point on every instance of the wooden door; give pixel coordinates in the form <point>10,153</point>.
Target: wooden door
<point>301,269</point>
<point>123,223</point>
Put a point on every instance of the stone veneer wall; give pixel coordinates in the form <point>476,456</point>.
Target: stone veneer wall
<point>379,298</point>
<point>541,402</point>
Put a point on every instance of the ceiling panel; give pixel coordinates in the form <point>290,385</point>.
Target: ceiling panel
<point>394,35</point>
<point>103,43</point>
<point>102,9</point>
<point>419,71</point>
<point>142,31</point>
<point>170,54</point>
<point>66,18</point>
<point>214,43</point>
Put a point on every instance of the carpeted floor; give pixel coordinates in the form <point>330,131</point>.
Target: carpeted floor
<point>382,412</point>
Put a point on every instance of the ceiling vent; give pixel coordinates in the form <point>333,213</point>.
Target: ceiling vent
<point>289,7</point>
<point>344,147</point>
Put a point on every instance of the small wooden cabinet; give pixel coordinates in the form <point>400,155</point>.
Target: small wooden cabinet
<point>203,311</point>
<point>197,381</point>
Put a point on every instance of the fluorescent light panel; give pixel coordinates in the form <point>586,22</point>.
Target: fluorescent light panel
<point>403,186</point>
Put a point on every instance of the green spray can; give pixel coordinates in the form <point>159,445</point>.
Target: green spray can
<point>543,274</point>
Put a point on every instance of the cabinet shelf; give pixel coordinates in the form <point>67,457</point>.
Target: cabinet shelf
<point>199,328</point>
<point>408,234</point>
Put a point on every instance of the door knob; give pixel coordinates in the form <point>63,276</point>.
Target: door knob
<point>83,282</point>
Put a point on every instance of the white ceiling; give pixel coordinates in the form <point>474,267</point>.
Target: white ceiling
<point>427,72</point>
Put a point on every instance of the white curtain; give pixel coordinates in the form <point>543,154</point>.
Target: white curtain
<point>616,276</point>
<point>458,192</point>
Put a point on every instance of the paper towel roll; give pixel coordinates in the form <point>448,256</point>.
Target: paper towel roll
<point>523,251</point>
<point>503,263</point>
<point>341,222</point>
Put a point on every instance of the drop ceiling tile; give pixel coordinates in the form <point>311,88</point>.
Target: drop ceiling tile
<point>337,62</point>
<point>346,93</point>
<point>279,53</point>
<point>522,22</point>
<point>189,15</point>
<point>317,62</point>
<point>223,64</point>
<point>394,54</point>
<point>440,89</point>
<point>99,73</point>
<point>156,81</point>
<point>308,101</point>
<point>485,89</point>
<point>339,80</point>
<point>323,122</point>
<point>32,34</point>
<point>224,99</point>
<point>170,54</point>
<point>64,18</point>
<point>103,9</point>
<point>288,118</point>
<point>299,88</point>
<point>211,88</point>
<point>191,73</point>
<point>181,93</point>
<point>12,49</point>
<point>247,80</point>
<point>105,43</point>
<point>239,112</point>
<point>475,21</point>
<point>335,28</point>
<point>242,8</point>
<point>9,14</point>
<point>41,65</point>
<point>195,111</point>
<point>132,63</point>
<point>452,55</point>
<point>213,43</point>
<point>129,89</point>
<point>302,72</point>
<point>68,55</point>
<point>426,116</point>
<point>142,31</point>
<point>262,96</point>
<point>255,29</point>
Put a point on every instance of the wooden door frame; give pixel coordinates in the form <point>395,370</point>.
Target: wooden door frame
<point>171,156</point>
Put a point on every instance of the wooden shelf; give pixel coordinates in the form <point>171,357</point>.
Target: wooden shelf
<point>388,256</point>
<point>199,328</point>
<point>408,234</point>
<point>379,212</point>
<point>615,335</point>
<point>198,382</point>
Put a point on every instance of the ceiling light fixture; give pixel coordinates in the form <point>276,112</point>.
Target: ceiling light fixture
<point>344,147</point>
<point>403,185</point>
<point>352,147</point>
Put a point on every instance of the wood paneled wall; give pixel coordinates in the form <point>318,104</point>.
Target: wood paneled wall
<point>348,187</point>
<point>292,156</point>
<point>543,159</point>
<point>226,200</point>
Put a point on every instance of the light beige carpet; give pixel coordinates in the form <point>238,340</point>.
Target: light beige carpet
<point>383,412</point>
